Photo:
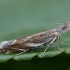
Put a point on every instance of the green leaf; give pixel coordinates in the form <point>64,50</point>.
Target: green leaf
<point>20,18</point>
<point>25,56</point>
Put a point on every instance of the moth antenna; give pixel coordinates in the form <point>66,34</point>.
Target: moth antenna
<point>59,24</point>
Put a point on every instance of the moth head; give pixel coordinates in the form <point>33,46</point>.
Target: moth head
<point>66,26</point>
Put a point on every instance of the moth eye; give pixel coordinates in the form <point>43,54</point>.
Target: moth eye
<point>63,28</point>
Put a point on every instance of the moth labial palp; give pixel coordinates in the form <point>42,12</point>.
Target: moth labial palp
<point>26,43</point>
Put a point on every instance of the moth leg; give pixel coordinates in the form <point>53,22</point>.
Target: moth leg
<point>32,48</point>
<point>58,39</point>
<point>50,44</point>
<point>22,52</point>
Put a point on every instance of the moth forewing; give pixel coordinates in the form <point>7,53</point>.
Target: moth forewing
<point>26,43</point>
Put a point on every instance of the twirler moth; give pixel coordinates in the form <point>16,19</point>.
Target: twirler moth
<point>26,43</point>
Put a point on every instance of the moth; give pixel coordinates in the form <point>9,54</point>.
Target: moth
<point>30,42</point>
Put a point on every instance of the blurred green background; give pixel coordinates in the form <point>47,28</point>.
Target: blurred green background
<point>20,18</point>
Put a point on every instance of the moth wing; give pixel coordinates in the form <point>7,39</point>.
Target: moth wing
<point>37,42</point>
